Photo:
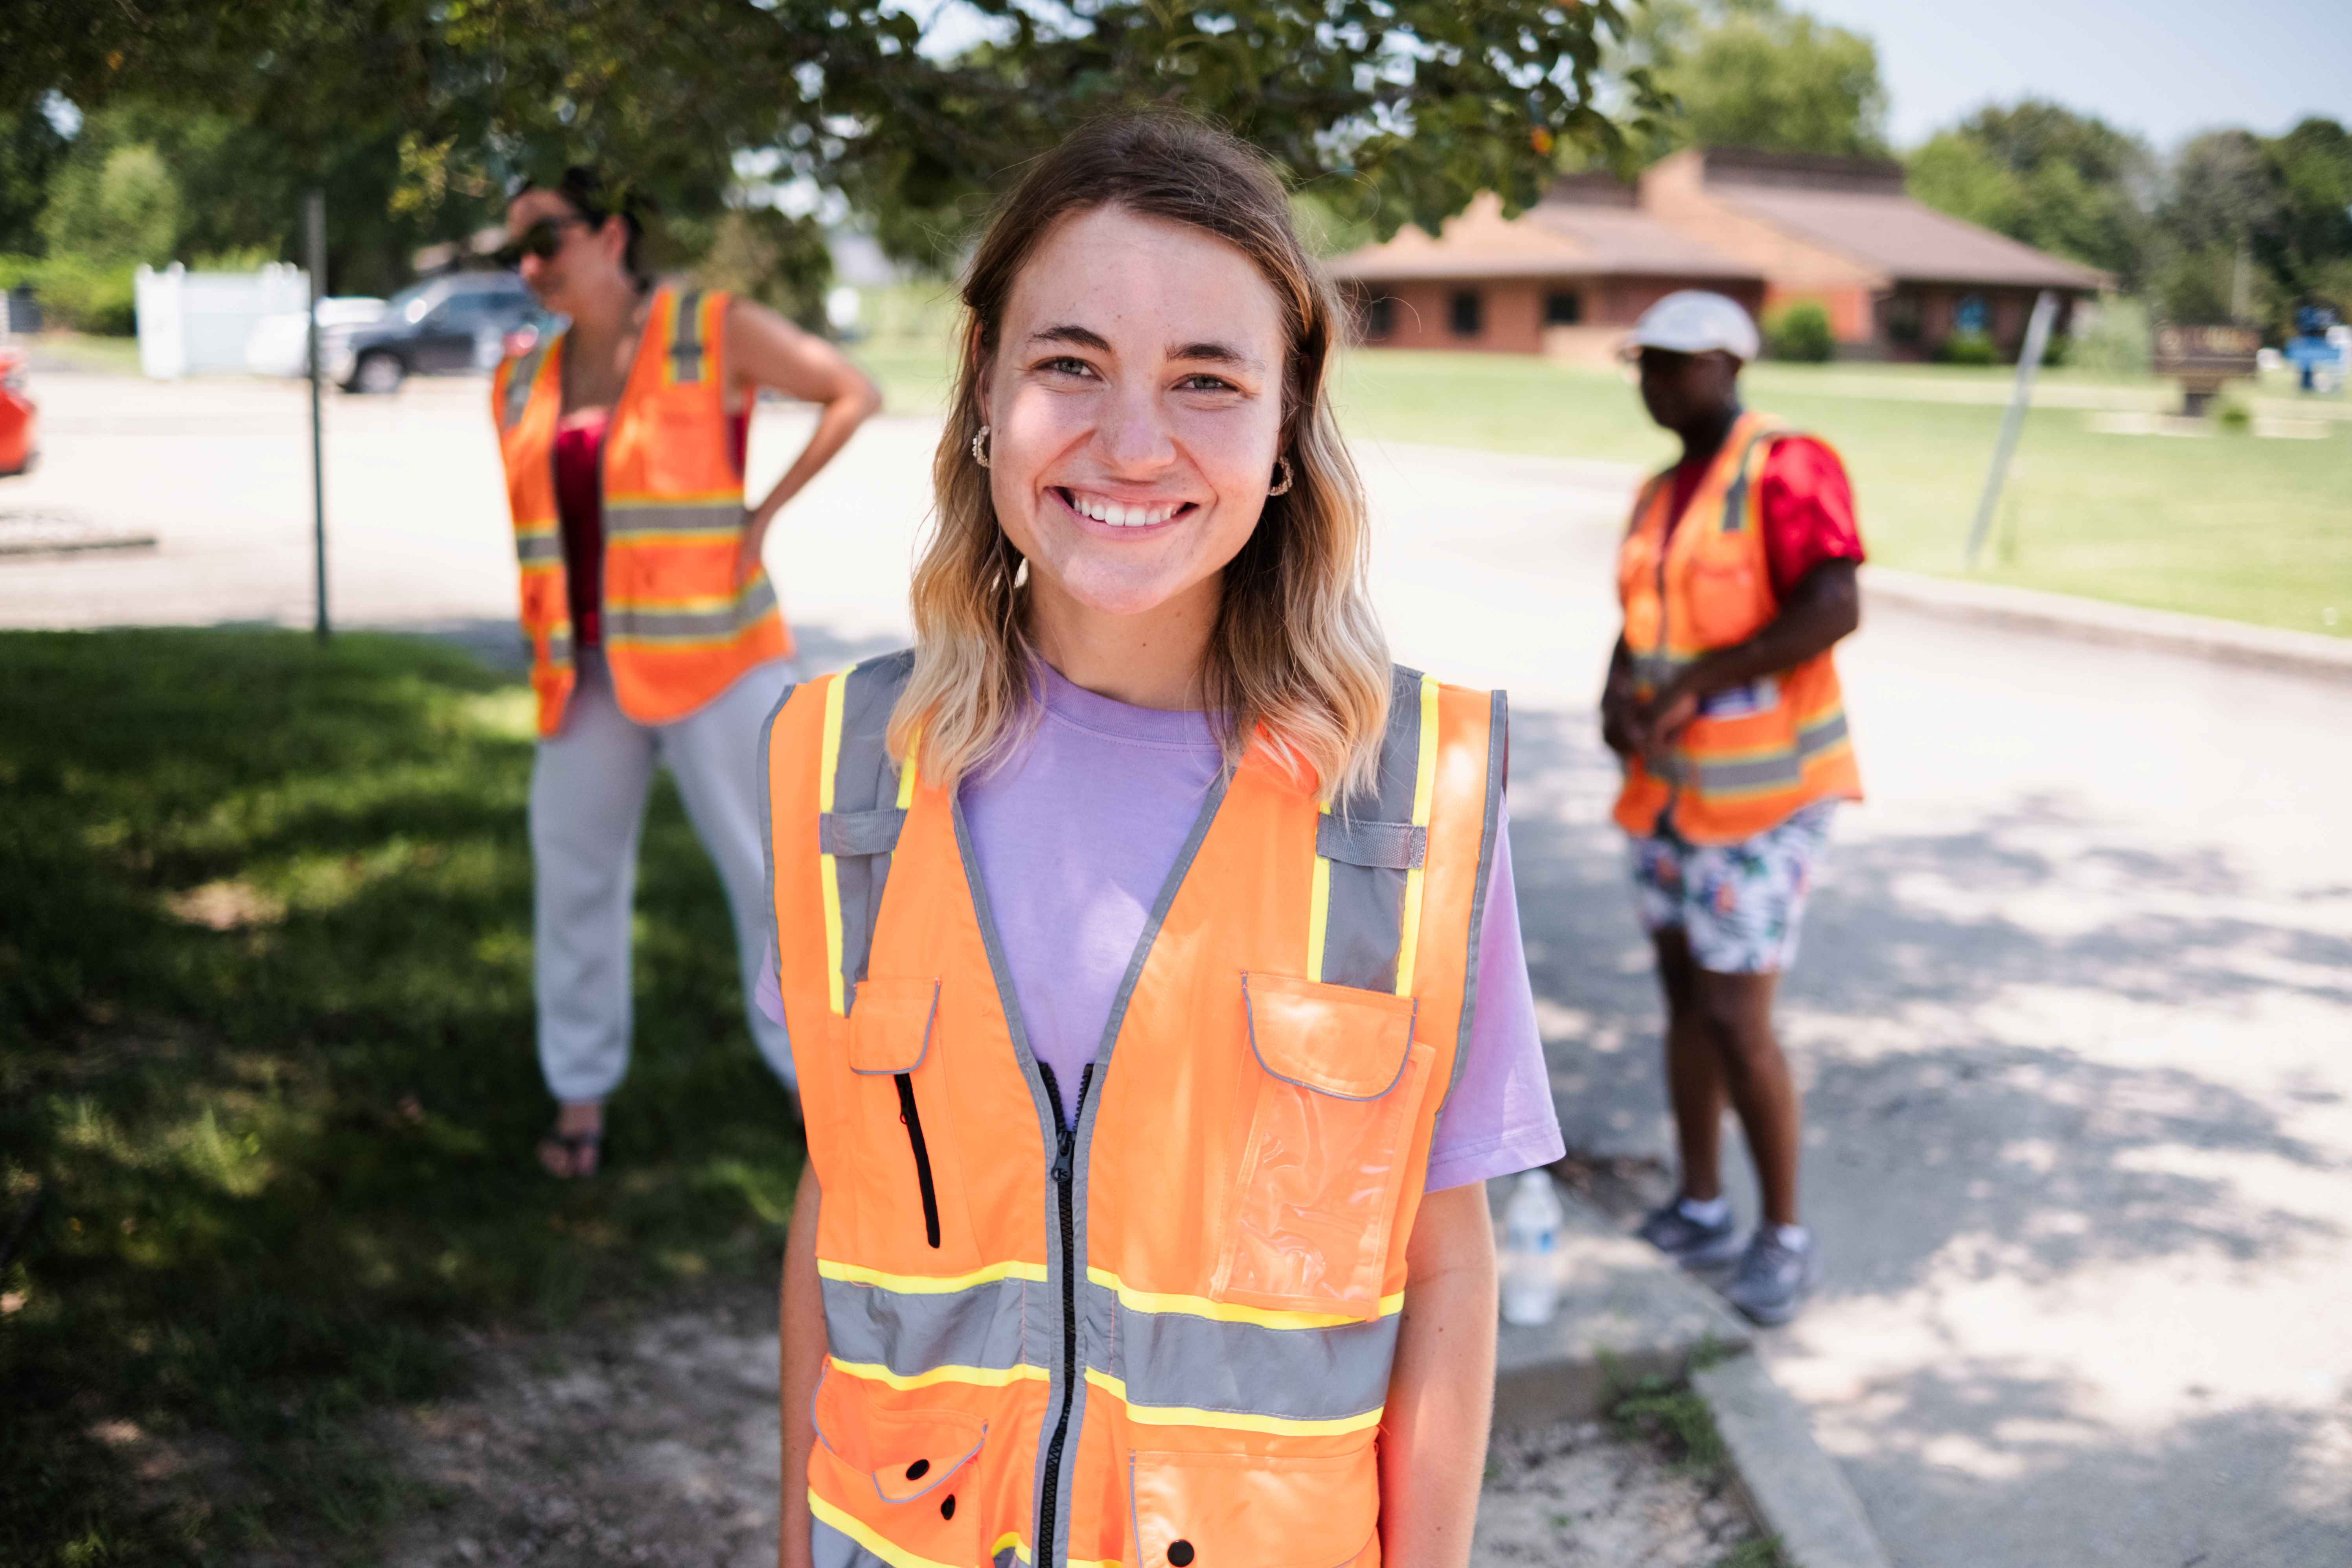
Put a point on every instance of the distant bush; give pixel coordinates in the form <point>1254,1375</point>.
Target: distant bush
<point>1968,348</point>
<point>1801,333</point>
<point>2114,341</point>
<point>2234,416</point>
<point>88,293</point>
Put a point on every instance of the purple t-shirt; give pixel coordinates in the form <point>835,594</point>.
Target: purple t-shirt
<point>1074,836</point>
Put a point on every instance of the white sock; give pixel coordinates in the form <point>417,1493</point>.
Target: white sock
<point>1795,1238</point>
<point>1715,1211</point>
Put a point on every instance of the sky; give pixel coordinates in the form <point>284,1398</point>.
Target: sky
<point>2165,68</point>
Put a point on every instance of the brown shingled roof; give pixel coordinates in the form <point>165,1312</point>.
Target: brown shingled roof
<point>1910,242</point>
<point>1550,240</point>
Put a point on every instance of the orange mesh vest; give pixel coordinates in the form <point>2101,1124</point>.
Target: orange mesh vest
<point>1756,752</point>
<point>678,628</point>
<point>1161,1336</point>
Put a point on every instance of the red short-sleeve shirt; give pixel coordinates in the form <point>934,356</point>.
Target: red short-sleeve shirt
<point>1806,502</point>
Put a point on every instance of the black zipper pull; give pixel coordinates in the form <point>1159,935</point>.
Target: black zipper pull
<point>1066,1143</point>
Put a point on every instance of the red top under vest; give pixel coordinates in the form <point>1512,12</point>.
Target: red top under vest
<point>580,504</point>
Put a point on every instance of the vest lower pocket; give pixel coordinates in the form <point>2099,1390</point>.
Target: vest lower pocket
<point>1314,1210</point>
<point>908,1478</point>
<point>1248,1511</point>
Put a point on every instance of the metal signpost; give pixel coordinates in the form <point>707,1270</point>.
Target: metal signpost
<point>315,217</point>
<point>2029,360</point>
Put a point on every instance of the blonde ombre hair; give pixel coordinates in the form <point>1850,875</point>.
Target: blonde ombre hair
<point>1296,658</point>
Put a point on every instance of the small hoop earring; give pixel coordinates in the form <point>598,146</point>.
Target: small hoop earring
<point>980,447</point>
<point>1283,489</point>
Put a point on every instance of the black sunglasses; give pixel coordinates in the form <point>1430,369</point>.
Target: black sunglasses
<point>541,239</point>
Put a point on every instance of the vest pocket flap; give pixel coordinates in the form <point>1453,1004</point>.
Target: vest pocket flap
<point>890,1023</point>
<point>903,1453</point>
<point>1252,1510</point>
<point>1382,846</point>
<point>859,832</point>
<point>1333,1039</point>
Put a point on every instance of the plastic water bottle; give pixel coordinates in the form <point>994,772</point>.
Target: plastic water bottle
<point>1531,1223</point>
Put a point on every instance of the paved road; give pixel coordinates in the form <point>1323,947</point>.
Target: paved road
<point>2074,1012</point>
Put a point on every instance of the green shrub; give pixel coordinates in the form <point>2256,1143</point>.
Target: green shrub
<point>1800,333</point>
<point>1968,348</point>
<point>2114,340</point>
<point>88,293</point>
<point>2234,416</point>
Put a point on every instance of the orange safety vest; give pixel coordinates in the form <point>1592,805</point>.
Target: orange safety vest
<point>1755,753</point>
<point>678,629</point>
<point>1162,1336</point>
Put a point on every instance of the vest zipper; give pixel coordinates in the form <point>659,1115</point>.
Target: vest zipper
<point>912,1120</point>
<point>1064,1173</point>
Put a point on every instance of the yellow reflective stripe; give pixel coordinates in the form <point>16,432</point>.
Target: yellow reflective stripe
<point>668,536</point>
<point>828,760</point>
<point>978,1376</point>
<point>620,498</point>
<point>928,1284</point>
<point>1011,1538</point>
<point>1318,911</point>
<point>1424,786</point>
<point>1227,1420</point>
<point>906,768</point>
<point>1230,1311</point>
<point>865,1535</point>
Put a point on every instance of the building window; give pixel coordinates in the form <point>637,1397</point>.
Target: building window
<point>1380,318</point>
<point>1466,312</point>
<point>1563,308</point>
<point>1971,315</point>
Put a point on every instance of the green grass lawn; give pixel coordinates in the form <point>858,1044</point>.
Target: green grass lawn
<point>267,1093</point>
<point>2231,525</point>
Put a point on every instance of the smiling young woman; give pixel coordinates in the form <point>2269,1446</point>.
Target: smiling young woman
<point>1147,948</point>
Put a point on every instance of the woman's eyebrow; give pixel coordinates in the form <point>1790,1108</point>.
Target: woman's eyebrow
<point>1217,354</point>
<point>1069,333</point>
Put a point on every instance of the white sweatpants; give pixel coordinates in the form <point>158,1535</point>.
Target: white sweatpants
<point>587,802</point>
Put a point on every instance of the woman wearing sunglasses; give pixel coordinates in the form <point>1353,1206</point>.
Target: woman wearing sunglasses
<point>1149,948</point>
<point>654,634</point>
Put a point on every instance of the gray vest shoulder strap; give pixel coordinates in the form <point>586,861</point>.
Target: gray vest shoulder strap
<point>861,831</point>
<point>1372,844</point>
<point>522,374</point>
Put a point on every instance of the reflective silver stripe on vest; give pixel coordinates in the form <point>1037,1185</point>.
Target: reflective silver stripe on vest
<point>1735,499</point>
<point>520,376</point>
<point>532,549</point>
<point>1178,1360</point>
<point>986,1326</point>
<point>1749,774</point>
<point>628,623</point>
<point>686,338</point>
<point>1814,739</point>
<point>1364,924</point>
<point>864,787</point>
<point>559,646</point>
<point>635,520</point>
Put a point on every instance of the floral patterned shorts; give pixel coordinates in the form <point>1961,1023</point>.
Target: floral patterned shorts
<point>1739,904</point>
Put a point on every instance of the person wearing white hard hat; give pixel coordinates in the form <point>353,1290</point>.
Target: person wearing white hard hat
<point>1737,575</point>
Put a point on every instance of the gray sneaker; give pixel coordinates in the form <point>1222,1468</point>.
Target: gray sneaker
<point>1692,1243</point>
<point>1772,1278</point>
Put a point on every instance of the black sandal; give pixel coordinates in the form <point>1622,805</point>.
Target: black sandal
<point>573,1145</point>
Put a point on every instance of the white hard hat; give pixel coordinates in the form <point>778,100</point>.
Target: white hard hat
<point>1693,322</point>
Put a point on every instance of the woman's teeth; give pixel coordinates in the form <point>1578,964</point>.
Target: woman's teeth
<point>1118,516</point>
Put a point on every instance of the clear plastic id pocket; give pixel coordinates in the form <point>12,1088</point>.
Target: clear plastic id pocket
<point>1314,1208</point>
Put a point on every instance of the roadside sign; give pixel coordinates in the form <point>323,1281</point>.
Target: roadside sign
<point>2202,357</point>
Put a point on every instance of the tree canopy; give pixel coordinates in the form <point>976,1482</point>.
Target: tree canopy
<point>1753,73</point>
<point>2066,183</point>
<point>1413,106</point>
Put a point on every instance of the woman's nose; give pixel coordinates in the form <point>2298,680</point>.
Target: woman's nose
<point>1134,437</point>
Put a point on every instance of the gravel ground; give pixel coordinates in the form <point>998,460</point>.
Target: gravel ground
<point>654,1442</point>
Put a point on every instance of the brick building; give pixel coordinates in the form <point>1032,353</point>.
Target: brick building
<point>1568,276</point>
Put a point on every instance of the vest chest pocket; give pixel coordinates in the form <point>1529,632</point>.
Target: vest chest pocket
<point>1314,1210</point>
<point>1731,600</point>
<point>1248,1511</point>
<point>907,1206</point>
